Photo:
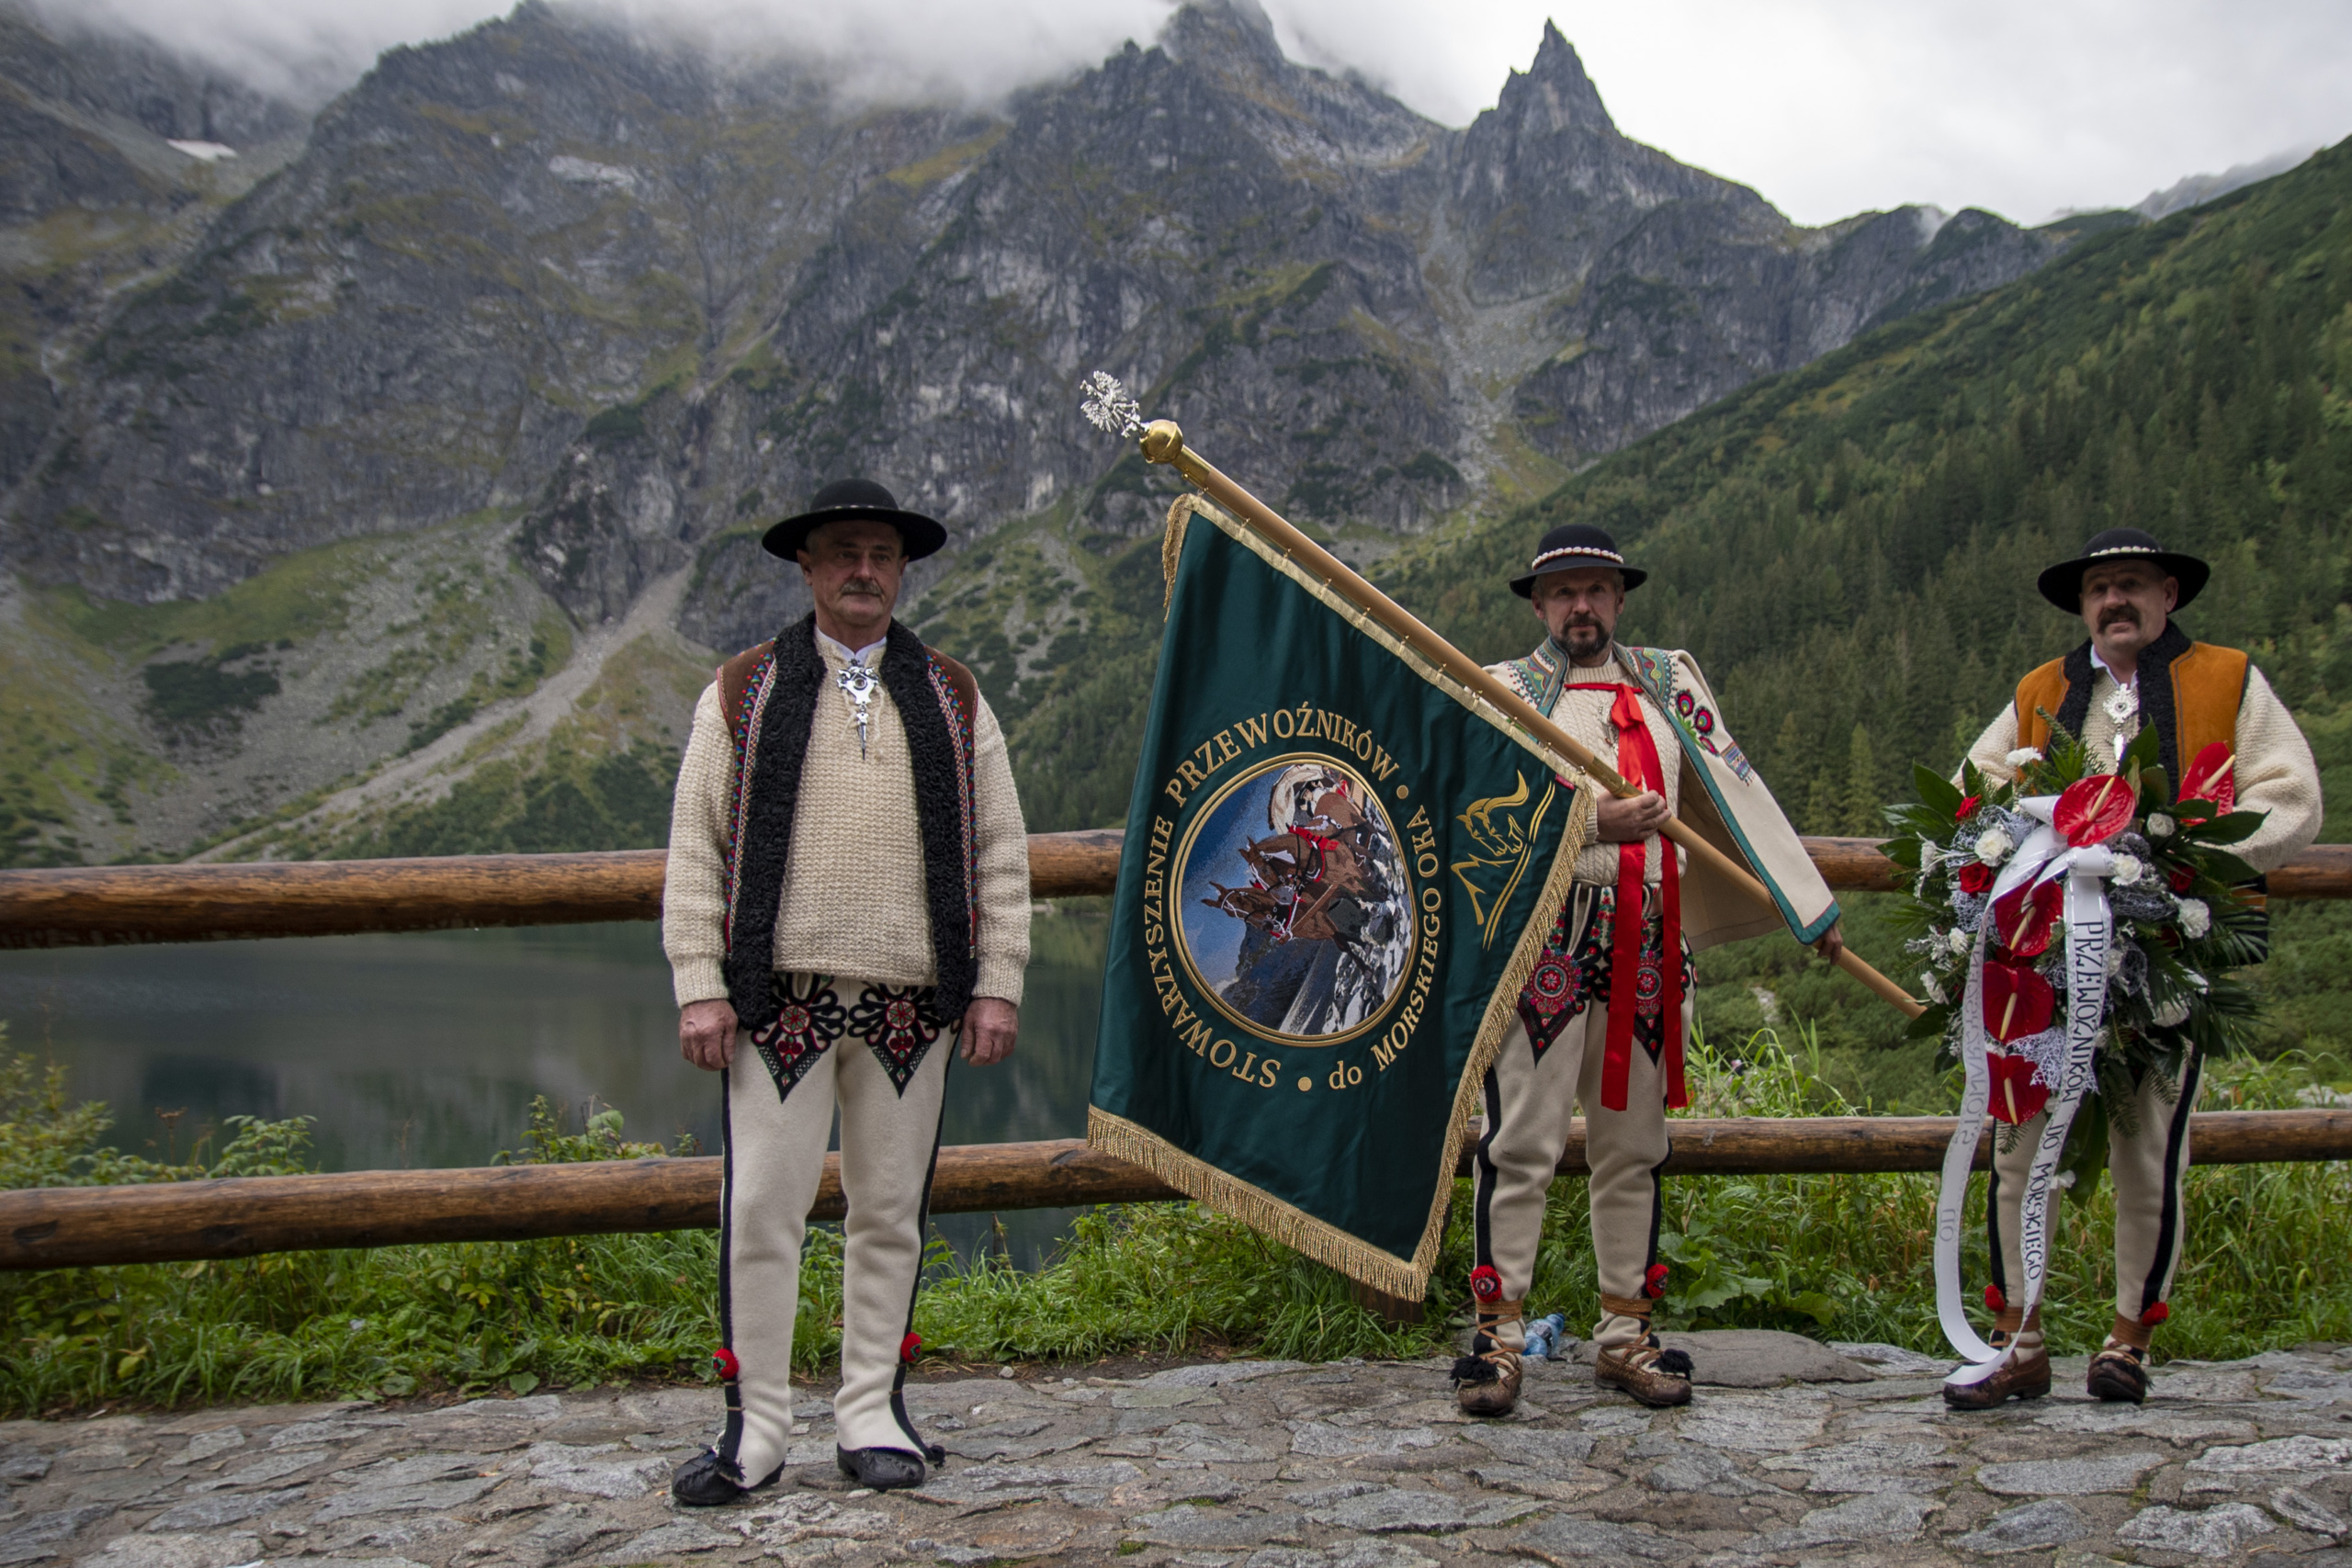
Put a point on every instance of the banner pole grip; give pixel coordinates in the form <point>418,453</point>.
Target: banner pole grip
<point>1163,443</point>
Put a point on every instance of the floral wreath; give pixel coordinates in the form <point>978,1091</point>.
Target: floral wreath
<point>2182,919</point>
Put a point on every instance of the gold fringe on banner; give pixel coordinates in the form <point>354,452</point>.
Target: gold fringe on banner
<point>1253,1206</point>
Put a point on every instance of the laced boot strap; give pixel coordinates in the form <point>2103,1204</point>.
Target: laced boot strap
<point>1490,1358</point>
<point>1646,1353</point>
<point>2129,1334</point>
<point>2013,1322</point>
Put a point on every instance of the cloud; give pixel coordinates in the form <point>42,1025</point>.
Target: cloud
<point>1827,107</point>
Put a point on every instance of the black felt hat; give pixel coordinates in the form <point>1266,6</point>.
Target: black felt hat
<point>846,500</point>
<point>2062,583</point>
<point>1570,546</point>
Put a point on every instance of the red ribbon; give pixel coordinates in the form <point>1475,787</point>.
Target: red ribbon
<point>1637,762</point>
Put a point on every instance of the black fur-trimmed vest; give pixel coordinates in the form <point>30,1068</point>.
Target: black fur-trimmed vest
<point>770,694</point>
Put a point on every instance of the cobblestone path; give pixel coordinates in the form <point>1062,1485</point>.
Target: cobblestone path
<point>1821,1457</point>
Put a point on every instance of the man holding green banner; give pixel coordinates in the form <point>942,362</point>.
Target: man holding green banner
<point>1606,1007</point>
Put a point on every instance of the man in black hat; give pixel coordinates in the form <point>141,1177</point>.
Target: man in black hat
<point>848,879</point>
<point>1602,1017</point>
<point>2219,725</point>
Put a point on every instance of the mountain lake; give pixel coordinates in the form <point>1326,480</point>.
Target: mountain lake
<point>426,1049</point>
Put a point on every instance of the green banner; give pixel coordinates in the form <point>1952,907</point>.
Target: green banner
<point>1326,908</point>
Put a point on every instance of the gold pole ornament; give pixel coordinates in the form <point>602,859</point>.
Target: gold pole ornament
<point>1108,407</point>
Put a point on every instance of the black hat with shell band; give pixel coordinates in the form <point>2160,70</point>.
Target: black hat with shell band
<point>1570,546</point>
<point>2062,583</point>
<point>849,501</point>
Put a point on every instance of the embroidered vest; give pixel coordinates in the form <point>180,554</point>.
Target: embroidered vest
<point>770,695</point>
<point>2189,691</point>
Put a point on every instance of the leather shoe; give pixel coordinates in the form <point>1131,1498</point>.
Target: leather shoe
<point>703,1483</point>
<point>2026,1377</point>
<point>885,1470</point>
<point>1658,1378</point>
<point>2118,1375</point>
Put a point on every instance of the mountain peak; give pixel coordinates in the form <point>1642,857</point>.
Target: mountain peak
<point>1203,30</point>
<point>1555,92</point>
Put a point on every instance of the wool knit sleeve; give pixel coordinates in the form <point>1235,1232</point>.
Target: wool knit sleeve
<point>1991,753</point>
<point>1001,841</point>
<point>694,899</point>
<point>2276,773</point>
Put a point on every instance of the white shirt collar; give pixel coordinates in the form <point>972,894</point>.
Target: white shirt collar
<point>871,654</point>
<point>2119,680</point>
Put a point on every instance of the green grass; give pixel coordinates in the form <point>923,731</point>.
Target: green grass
<point>2269,1264</point>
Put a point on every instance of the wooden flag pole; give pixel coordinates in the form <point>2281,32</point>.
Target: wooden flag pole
<point>1164,443</point>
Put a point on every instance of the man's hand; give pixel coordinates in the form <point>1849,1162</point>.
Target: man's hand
<point>1832,942</point>
<point>989,1024</point>
<point>706,1035</point>
<point>1631,820</point>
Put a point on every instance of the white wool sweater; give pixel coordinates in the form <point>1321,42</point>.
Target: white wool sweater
<point>2274,768</point>
<point>1583,711</point>
<point>855,903</point>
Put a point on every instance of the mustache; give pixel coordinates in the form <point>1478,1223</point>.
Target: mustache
<point>2122,616</point>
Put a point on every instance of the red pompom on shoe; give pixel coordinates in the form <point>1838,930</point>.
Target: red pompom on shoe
<point>2155,1314</point>
<point>1993,1300</point>
<point>1486,1284</point>
<point>1654,1283</point>
<point>908,1347</point>
<point>730,1369</point>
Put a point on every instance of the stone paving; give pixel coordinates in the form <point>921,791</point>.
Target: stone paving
<point>1794,1454</point>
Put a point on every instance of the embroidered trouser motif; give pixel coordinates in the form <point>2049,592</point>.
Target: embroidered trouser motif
<point>2148,1168</point>
<point>896,1023</point>
<point>1530,1094</point>
<point>774,1155</point>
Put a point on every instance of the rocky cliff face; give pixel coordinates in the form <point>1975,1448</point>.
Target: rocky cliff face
<point>587,311</point>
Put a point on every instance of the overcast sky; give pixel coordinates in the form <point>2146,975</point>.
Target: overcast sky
<point>1827,107</point>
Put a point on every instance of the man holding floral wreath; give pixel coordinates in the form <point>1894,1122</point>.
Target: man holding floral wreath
<point>2221,736</point>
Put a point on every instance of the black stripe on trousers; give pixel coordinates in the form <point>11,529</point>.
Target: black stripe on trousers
<point>935,1455</point>
<point>2168,1226</point>
<point>1992,1217</point>
<point>1482,1243</point>
<point>730,1441</point>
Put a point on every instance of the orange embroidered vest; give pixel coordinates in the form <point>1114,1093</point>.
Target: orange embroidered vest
<point>2188,691</point>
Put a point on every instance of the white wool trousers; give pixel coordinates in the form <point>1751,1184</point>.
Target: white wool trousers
<point>775,1155</point>
<point>2149,1169</point>
<point>1530,1099</point>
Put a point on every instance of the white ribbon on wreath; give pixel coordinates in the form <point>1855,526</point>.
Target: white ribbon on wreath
<point>2090,928</point>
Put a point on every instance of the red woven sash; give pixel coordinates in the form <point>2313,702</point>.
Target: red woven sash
<point>1637,760</point>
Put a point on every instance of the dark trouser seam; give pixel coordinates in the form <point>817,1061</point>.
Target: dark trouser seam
<point>2169,1223</point>
<point>922,1220</point>
<point>730,1441</point>
<point>1483,1187</point>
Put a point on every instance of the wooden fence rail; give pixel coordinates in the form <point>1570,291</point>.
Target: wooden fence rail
<point>60,1227</point>
<point>100,906</point>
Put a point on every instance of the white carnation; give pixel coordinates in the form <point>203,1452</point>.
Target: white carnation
<point>2128,870</point>
<point>1961,941</point>
<point>2174,1014</point>
<point>2195,919</point>
<point>2160,826</point>
<point>1994,845</point>
<point>1929,984</point>
<point>2024,754</point>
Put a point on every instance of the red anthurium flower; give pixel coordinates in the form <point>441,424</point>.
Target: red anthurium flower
<point>2018,1003</point>
<point>1968,808</point>
<point>2017,1099</point>
<point>1976,878</point>
<point>1654,1283</point>
<point>730,1369</point>
<point>2095,809</point>
<point>1486,1284</point>
<point>908,1347</point>
<point>2022,917</point>
<point>2210,777</point>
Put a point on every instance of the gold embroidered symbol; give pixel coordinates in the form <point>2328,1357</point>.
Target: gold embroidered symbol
<point>1506,837</point>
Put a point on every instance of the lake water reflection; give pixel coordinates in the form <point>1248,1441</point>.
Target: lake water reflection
<point>426,1048</point>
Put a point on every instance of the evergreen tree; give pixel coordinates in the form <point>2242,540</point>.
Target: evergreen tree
<point>1862,797</point>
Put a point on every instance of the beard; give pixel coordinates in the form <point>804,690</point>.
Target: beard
<point>1584,637</point>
